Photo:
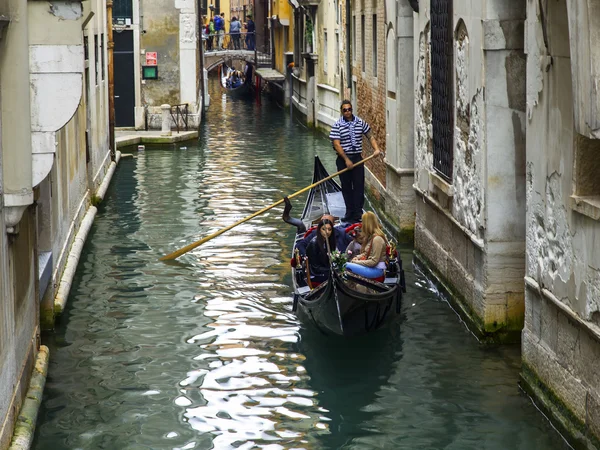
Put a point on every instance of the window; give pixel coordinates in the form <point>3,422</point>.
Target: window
<point>587,166</point>
<point>122,9</point>
<point>337,53</point>
<point>362,42</point>
<point>586,198</point>
<point>96,58</point>
<point>442,87</point>
<point>375,45</point>
<point>354,43</point>
<point>325,51</point>
<point>101,49</point>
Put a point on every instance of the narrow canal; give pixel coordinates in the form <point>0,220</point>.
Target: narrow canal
<point>205,352</point>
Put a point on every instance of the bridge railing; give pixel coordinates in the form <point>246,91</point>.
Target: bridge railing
<point>259,43</point>
<point>228,41</point>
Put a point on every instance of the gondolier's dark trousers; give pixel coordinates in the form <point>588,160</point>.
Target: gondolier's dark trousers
<point>353,187</point>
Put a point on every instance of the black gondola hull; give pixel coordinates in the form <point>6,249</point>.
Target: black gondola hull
<point>346,305</point>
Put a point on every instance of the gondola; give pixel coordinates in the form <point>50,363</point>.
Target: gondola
<point>345,304</point>
<point>244,88</point>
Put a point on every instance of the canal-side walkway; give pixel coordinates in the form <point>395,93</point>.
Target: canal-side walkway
<point>125,138</point>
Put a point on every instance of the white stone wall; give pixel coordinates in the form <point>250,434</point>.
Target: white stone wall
<point>561,339</point>
<point>423,126</point>
<point>18,302</point>
<point>468,200</point>
<point>480,212</point>
<point>96,95</point>
<point>399,204</point>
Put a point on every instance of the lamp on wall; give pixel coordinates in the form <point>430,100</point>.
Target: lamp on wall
<point>212,9</point>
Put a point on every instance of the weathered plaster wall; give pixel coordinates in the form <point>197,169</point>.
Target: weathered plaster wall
<point>479,215</point>
<point>18,305</point>
<point>561,338</point>
<point>161,21</point>
<point>423,126</point>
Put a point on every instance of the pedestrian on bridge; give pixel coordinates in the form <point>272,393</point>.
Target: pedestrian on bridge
<point>250,33</point>
<point>235,27</point>
<point>220,29</point>
<point>211,34</point>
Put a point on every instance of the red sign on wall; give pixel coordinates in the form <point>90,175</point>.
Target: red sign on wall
<point>151,58</point>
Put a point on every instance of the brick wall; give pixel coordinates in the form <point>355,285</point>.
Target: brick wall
<point>370,86</point>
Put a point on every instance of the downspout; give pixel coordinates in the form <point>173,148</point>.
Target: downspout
<point>111,79</point>
<point>201,59</point>
<point>348,44</point>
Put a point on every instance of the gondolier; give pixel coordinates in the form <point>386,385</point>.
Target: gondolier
<point>346,138</point>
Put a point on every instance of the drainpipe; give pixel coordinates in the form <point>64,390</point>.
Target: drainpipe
<point>348,44</point>
<point>201,59</point>
<point>111,79</point>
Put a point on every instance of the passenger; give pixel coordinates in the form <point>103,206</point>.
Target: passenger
<point>341,238</point>
<point>371,262</point>
<point>353,249</point>
<point>318,251</point>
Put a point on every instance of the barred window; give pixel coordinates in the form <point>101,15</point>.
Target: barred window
<point>442,97</point>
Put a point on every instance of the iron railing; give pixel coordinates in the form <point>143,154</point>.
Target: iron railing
<point>179,114</point>
<point>442,96</point>
<point>228,41</point>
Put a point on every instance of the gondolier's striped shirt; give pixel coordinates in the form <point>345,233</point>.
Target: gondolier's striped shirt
<point>350,134</point>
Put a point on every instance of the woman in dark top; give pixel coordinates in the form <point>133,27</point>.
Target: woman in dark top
<point>317,252</point>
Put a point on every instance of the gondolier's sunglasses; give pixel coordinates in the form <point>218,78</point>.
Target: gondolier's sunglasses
<point>347,109</point>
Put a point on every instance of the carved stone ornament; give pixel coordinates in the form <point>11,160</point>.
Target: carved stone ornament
<point>415,5</point>
<point>188,29</point>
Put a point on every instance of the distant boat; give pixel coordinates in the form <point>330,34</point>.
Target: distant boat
<point>234,84</point>
<point>345,304</point>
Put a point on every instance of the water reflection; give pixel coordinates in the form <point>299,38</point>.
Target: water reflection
<point>347,375</point>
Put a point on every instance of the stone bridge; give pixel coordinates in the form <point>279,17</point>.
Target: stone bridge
<point>212,59</point>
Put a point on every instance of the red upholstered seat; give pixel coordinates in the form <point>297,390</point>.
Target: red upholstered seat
<point>380,279</point>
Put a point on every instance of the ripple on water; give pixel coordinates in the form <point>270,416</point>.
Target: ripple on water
<point>204,352</point>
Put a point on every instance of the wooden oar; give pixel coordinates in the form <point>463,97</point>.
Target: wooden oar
<point>193,245</point>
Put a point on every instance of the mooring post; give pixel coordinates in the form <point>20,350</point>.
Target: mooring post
<point>166,120</point>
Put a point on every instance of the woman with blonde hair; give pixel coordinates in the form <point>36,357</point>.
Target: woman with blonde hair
<point>371,262</point>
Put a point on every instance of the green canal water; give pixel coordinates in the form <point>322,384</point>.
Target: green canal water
<point>205,352</point>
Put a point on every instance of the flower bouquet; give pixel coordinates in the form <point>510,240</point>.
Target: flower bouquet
<point>339,259</point>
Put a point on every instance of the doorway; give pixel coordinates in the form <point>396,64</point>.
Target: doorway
<point>124,79</point>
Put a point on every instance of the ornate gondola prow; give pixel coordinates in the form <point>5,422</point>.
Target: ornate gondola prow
<point>300,227</point>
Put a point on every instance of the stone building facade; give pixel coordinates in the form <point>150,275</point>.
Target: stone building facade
<point>470,156</point>
<point>368,33</point>
<point>56,161</point>
<point>561,337</point>
<point>168,31</point>
<point>398,205</point>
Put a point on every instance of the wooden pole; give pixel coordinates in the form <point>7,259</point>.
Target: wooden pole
<point>193,245</point>
<point>111,80</point>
